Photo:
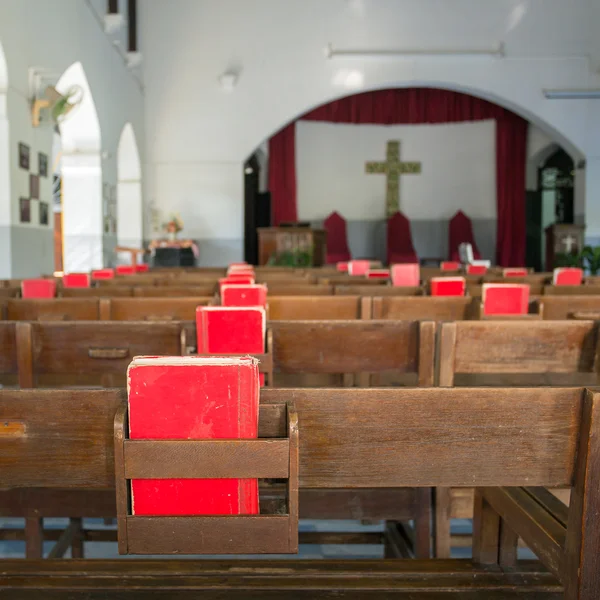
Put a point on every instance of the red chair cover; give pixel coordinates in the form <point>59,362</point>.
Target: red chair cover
<point>337,239</point>
<point>460,232</point>
<point>400,247</point>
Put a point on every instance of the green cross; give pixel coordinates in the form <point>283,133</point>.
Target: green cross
<point>393,167</point>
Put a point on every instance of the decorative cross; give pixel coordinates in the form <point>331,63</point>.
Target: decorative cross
<point>568,242</point>
<point>393,167</point>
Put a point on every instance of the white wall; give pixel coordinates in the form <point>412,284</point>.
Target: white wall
<point>278,49</point>
<point>458,170</point>
<point>54,35</point>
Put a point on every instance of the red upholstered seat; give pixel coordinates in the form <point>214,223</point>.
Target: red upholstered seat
<point>461,232</point>
<point>400,247</point>
<point>337,239</point>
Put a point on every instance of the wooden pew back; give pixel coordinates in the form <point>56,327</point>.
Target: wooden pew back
<point>353,347</point>
<point>304,308</point>
<point>8,353</point>
<point>116,291</point>
<point>152,309</point>
<point>434,308</point>
<point>54,309</point>
<point>373,290</point>
<point>173,291</point>
<point>513,353</point>
<point>556,308</point>
<point>351,438</point>
<point>85,353</point>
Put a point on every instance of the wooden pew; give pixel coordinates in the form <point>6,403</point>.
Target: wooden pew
<point>508,353</point>
<point>303,308</point>
<point>173,291</point>
<point>350,440</point>
<point>517,353</point>
<point>115,291</point>
<point>362,352</point>
<point>9,369</point>
<point>298,289</point>
<point>556,308</point>
<point>151,309</point>
<point>572,290</point>
<point>377,290</point>
<point>434,308</point>
<point>55,309</point>
<point>88,353</point>
<point>10,292</point>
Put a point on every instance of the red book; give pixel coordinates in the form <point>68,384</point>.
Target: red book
<point>378,274</point>
<point>38,288</point>
<point>406,275</point>
<point>514,273</point>
<point>476,270</point>
<point>76,280</point>
<point>244,295</point>
<point>568,276</point>
<point>342,267</point>
<point>230,330</point>
<point>359,267</point>
<point>505,299</point>
<point>450,265</point>
<point>142,268</point>
<point>125,269</point>
<point>448,286</point>
<point>103,274</point>
<point>193,398</point>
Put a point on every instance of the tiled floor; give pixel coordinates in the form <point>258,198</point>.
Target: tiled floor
<point>312,551</point>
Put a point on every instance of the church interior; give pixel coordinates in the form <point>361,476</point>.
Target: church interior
<point>200,200</point>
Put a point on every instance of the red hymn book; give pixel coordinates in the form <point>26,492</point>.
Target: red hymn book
<point>193,398</point>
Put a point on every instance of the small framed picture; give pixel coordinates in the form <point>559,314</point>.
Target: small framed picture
<point>24,156</point>
<point>34,186</point>
<point>25,210</point>
<point>42,164</point>
<point>44,213</point>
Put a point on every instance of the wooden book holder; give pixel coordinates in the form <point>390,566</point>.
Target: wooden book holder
<point>273,455</point>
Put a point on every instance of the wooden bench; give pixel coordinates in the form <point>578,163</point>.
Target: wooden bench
<point>377,290</point>
<point>298,289</point>
<point>353,352</point>
<point>85,353</point>
<point>151,309</point>
<point>303,308</point>
<point>556,308</point>
<point>572,290</point>
<point>114,291</point>
<point>434,308</point>
<point>351,439</point>
<point>508,353</point>
<point>171,291</point>
<point>53,309</point>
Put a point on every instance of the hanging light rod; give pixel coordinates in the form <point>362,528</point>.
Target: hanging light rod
<point>496,52</point>
<point>572,94</point>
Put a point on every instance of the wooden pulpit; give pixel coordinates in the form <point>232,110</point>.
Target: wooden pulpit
<point>273,241</point>
<point>563,238</point>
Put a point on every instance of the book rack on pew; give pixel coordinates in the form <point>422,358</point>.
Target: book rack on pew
<point>274,455</point>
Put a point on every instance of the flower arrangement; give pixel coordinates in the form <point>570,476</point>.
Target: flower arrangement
<point>173,226</point>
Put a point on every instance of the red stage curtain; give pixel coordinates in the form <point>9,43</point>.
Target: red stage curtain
<point>412,106</point>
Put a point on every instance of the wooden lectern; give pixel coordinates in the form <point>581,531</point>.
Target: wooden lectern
<point>563,238</point>
<point>275,240</point>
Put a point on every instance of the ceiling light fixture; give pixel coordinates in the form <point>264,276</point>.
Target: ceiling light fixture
<point>403,53</point>
<point>593,94</point>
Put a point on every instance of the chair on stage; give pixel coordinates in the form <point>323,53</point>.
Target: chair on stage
<point>460,232</point>
<point>337,239</point>
<point>400,247</point>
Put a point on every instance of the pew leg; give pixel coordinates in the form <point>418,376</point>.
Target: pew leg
<point>442,522</point>
<point>509,540</point>
<point>486,532</point>
<point>422,547</point>
<point>34,537</point>
<point>77,542</point>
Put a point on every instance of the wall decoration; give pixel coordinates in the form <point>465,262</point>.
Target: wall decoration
<point>34,186</point>
<point>24,156</point>
<point>25,210</point>
<point>44,213</point>
<point>42,164</point>
<point>106,224</point>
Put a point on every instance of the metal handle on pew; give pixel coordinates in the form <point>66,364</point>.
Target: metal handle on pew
<point>108,353</point>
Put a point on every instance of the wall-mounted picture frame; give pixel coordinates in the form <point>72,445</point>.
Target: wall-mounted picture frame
<point>42,164</point>
<point>34,186</point>
<point>44,210</point>
<point>25,210</point>
<point>23,156</point>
